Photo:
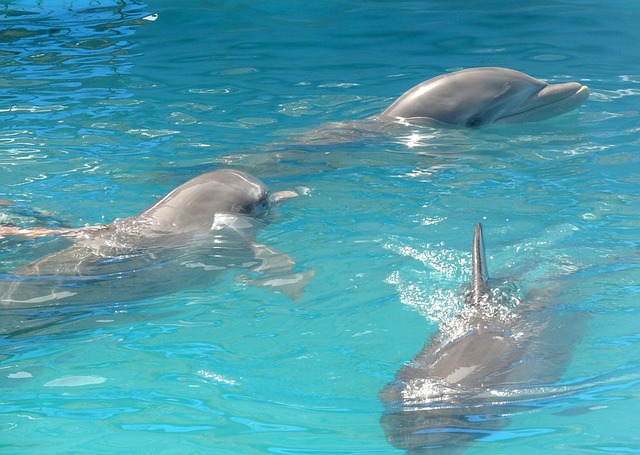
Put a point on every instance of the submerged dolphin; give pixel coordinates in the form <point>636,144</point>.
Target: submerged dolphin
<point>482,96</point>
<point>460,387</point>
<point>185,239</point>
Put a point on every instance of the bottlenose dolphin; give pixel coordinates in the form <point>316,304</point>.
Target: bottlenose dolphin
<point>482,96</point>
<point>460,387</point>
<point>185,239</point>
<point>469,98</point>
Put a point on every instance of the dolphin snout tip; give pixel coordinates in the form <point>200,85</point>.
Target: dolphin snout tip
<point>583,91</point>
<point>574,89</point>
<point>576,95</point>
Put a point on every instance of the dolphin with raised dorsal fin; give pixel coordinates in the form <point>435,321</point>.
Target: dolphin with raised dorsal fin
<point>481,96</point>
<point>460,386</point>
<point>185,239</point>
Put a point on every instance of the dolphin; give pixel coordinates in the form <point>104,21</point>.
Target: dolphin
<point>467,99</point>
<point>187,238</point>
<point>482,96</point>
<point>462,385</point>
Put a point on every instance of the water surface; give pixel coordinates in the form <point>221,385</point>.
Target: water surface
<point>106,107</point>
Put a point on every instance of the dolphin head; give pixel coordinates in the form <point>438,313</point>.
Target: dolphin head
<point>481,96</point>
<point>238,192</point>
<point>193,205</point>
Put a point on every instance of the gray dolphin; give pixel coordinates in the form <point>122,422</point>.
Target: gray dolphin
<point>482,96</point>
<point>460,387</point>
<point>187,238</point>
<point>469,98</point>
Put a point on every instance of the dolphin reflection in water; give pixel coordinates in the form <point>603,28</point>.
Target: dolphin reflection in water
<point>469,378</point>
<point>186,239</point>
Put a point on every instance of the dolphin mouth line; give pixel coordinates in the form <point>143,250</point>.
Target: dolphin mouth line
<point>575,96</point>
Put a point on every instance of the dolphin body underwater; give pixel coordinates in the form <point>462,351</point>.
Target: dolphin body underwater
<point>462,385</point>
<point>481,96</point>
<point>186,239</point>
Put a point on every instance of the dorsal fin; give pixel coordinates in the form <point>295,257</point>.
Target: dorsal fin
<point>479,288</point>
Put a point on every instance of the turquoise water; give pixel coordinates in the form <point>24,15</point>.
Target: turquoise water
<point>106,107</point>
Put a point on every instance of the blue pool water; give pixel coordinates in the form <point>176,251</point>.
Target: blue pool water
<point>106,106</point>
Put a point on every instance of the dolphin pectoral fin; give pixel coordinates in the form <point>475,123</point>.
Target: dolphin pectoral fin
<point>271,261</point>
<point>292,285</point>
<point>243,225</point>
<point>275,272</point>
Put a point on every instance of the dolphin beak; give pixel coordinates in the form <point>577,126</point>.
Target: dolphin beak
<point>551,100</point>
<point>281,196</point>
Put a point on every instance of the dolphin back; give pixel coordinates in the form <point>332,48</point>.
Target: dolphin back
<point>479,289</point>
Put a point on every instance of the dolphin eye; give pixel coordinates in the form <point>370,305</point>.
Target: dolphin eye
<point>475,120</point>
<point>261,206</point>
